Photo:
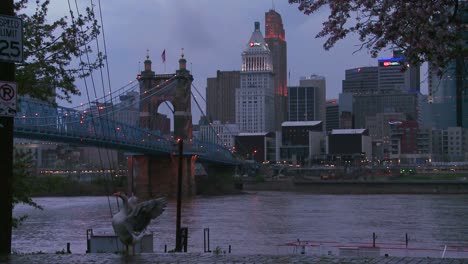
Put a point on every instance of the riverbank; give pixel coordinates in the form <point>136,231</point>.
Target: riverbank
<point>214,258</point>
<point>48,186</point>
<point>360,187</point>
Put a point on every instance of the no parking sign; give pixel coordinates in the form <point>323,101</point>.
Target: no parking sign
<point>7,98</point>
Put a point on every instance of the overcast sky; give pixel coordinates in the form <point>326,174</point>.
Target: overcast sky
<point>213,34</point>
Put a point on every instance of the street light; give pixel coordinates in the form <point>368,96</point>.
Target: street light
<point>178,247</point>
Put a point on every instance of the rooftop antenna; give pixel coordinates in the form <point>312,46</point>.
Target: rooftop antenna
<point>273,4</point>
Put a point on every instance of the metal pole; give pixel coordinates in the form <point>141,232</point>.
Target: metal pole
<point>373,239</point>
<point>178,247</point>
<point>7,73</point>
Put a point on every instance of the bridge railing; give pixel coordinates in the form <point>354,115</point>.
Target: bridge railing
<point>39,120</point>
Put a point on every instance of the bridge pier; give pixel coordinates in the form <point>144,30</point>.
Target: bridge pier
<point>153,176</point>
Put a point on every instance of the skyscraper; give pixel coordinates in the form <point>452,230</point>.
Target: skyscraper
<point>275,38</point>
<point>449,92</point>
<point>255,108</point>
<point>307,101</point>
<point>332,115</point>
<point>221,96</point>
<point>362,80</point>
<point>391,75</point>
<point>443,99</point>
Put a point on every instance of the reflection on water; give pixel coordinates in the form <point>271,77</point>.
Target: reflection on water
<point>258,222</point>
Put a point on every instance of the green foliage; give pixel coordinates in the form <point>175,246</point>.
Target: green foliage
<point>445,176</point>
<point>259,178</point>
<point>23,183</point>
<point>52,48</point>
<point>61,252</point>
<point>217,251</point>
<point>218,184</point>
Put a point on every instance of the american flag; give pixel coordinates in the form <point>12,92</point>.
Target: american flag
<point>163,56</point>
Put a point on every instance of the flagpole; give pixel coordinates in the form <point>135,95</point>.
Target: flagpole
<point>163,57</point>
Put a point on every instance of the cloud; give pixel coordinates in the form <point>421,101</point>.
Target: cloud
<point>213,35</point>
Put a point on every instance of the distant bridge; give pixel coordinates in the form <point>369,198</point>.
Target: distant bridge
<point>43,121</point>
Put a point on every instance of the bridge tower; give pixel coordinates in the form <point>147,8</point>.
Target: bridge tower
<point>151,176</point>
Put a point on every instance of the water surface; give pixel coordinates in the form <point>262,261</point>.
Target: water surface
<point>262,222</point>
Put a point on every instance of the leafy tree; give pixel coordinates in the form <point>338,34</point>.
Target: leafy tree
<point>23,183</point>
<point>55,52</point>
<point>424,30</point>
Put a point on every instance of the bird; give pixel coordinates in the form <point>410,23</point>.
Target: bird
<point>131,221</point>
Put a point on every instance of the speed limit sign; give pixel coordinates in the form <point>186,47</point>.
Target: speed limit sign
<point>11,39</point>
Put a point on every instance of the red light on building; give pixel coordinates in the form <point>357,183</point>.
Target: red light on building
<point>386,63</point>
<point>251,44</point>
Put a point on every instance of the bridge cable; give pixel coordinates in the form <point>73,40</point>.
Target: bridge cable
<point>110,158</point>
<point>87,89</point>
<point>212,128</point>
<point>209,124</point>
<point>97,105</point>
<point>83,112</point>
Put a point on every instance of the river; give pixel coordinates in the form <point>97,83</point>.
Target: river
<point>262,222</point>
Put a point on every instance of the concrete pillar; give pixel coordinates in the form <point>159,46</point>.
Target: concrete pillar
<point>154,176</point>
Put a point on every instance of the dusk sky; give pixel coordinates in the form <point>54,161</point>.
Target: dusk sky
<point>213,35</point>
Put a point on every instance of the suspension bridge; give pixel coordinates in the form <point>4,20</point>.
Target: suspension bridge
<point>39,120</point>
<point>153,157</point>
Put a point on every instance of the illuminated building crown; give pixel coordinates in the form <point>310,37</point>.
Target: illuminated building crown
<point>257,55</point>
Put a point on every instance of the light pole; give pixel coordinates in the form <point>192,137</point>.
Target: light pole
<point>178,247</point>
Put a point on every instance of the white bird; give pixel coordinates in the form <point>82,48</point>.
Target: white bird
<point>131,221</point>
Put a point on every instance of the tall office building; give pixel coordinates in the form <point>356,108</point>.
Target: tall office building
<point>363,80</point>
<point>332,115</point>
<point>443,99</point>
<point>306,102</point>
<point>275,38</point>
<point>221,96</point>
<point>448,96</point>
<point>449,93</point>
<point>391,75</point>
<point>255,107</point>
<point>366,105</point>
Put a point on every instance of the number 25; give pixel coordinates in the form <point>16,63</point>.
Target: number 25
<point>12,45</point>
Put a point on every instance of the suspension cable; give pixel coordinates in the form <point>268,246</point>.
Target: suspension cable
<point>87,90</point>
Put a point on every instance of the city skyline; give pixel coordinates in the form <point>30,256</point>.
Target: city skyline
<point>215,40</point>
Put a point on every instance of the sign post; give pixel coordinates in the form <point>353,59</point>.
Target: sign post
<point>11,51</point>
